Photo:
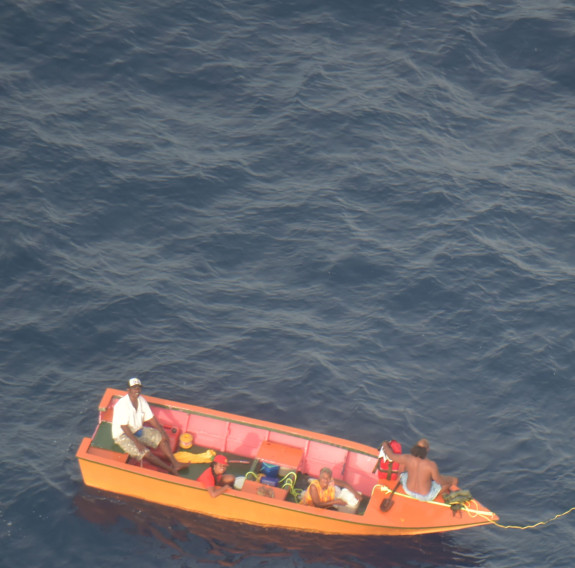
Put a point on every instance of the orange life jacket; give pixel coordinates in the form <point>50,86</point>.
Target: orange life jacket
<point>389,469</point>
<point>325,495</point>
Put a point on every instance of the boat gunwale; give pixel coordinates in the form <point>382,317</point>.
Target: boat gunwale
<point>276,427</point>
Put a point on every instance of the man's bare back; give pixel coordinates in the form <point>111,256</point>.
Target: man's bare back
<point>421,471</point>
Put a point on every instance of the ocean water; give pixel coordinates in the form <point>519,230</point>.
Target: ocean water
<point>352,217</point>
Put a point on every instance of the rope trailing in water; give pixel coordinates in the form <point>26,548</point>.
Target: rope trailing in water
<point>473,512</point>
<point>539,524</point>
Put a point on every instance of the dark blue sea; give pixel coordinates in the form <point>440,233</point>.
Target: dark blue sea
<point>355,217</point>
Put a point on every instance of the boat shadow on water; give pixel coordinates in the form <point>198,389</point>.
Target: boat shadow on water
<point>199,538</point>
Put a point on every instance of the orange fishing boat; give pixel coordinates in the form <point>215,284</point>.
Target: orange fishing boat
<point>260,500</point>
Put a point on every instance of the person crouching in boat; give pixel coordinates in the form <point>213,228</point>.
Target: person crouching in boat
<point>421,478</point>
<point>215,479</point>
<point>131,412</point>
<point>321,492</point>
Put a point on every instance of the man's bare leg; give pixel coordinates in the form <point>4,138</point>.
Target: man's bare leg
<point>167,451</point>
<point>160,463</point>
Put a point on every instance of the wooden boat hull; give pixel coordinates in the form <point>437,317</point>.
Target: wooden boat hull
<point>109,470</point>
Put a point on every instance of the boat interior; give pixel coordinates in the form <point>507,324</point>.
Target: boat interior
<point>250,449</point>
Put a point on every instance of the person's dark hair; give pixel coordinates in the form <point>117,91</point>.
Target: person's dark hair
<point>419,451</point>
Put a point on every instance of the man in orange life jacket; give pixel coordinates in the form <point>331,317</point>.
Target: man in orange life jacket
<point>421,478</point>
<point>321,492</point>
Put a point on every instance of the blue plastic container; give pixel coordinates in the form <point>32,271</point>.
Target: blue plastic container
<point>271,481</point>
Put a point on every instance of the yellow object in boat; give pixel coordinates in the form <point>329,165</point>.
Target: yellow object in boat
<point>188,457</point>
<point>186,441</point>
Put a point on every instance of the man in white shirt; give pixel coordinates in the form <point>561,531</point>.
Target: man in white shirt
<point>131,412</point>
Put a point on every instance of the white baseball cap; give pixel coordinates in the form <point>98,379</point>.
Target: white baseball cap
<point>135,382</point>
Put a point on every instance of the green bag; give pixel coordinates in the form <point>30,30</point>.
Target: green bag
<point>457,499</point>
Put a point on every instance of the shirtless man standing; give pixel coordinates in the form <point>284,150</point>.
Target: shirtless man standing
<point>421,478</point>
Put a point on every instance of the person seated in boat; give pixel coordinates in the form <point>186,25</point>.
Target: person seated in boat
<point>321,492</point>
<point>215,479</point>
<point>135,429</point>
<point>421,478</point>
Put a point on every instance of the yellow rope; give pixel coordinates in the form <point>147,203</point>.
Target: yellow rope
<point>254,476</point>
<point>288,482</point>
<point>539,524</point>
<point>472,512</point>
<point>485,514</point>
